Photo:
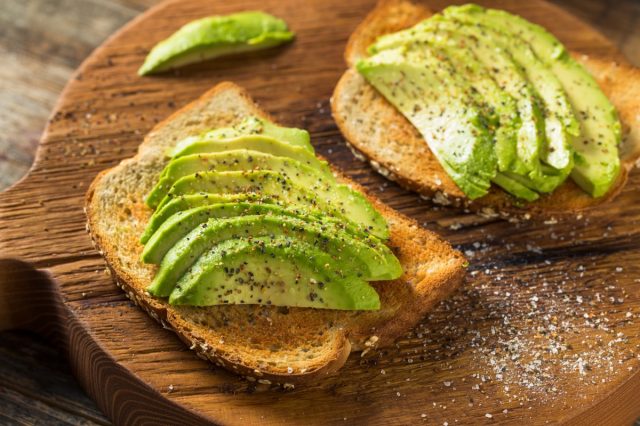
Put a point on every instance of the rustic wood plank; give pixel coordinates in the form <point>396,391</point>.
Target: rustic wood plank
<point>37,385</point>
<point>42,43</point>
<point>464,336</point>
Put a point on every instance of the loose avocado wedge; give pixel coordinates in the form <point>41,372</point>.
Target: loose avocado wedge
<point>598,163</point>
<point>271,271</point>
<point>336,200</point>
<point>183,222</point>
<point>215,36</point>
<point>248,127</point>
<point>348,254</point>
<point>441,108</point>
<point>238,160</point>
<point>261,143</point>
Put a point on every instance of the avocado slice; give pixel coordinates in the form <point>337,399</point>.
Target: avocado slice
<point>561,123</point>
<point>215,36</point>
<point>483,62</point>
<point>498,65</point>
<point>347,253</point>
<point>597,160</point>
<point>438,104</point>
<point>251,126</point>
<point>180,224</point>
<point>265,144</point>
<point>336,200</point>
<point>498,107</point>
<point>271,271</point>
<point>189,201</point>
<point>175,227</point>
<point>237,160</point>
<point>527,167</point>
<point>178,206</point>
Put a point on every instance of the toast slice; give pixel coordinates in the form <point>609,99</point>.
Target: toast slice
<point>275,345</point>
<point>376,132</point>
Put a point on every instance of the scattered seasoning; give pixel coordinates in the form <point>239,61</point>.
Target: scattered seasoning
<point>529,325</point>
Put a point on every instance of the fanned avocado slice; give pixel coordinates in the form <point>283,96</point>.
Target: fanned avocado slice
<point>247,127</point>
<point>516,185</point>
<point>519,161</point>
<point>175,227</point>
<point>348,254</point>
<point>336,200</point>
<point>237,160</point>
<point>179,206</point>
<point>215,36</point>
<point>261,143</point>
<point>439,105</point>
<point>271,271</point>
<point>189,201</point>
<point>522,155</point>
<point>181,223</point>
<point>561,123</point>
<point>597,161</point>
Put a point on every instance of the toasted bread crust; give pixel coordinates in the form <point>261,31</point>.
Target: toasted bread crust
<point>263,347</point>
<point>400,153</point>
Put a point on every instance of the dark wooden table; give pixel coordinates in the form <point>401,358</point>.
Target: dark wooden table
<point>41,43</point>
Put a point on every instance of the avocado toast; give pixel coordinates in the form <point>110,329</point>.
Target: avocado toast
<point>284,345</point>
<point>538,174</point>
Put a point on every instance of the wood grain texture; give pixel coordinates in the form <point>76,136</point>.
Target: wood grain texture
<point>545,329</point>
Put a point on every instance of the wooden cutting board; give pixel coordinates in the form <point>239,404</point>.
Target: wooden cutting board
<point>546,329</point>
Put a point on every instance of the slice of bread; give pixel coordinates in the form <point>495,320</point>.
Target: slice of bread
<point>281,345</point>
<point>378,133</point>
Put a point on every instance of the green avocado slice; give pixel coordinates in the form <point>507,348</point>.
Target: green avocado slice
<point>247,127</point>
<point>179,205</point>
<point>502,100</point>
<point>237,160</point>
<point>190,201</point>
<point>215,36</point>
<point>561,123</point>
<point>501,86</point>
<point>347,253</point>
<point>175,227</point>
<point>262,270</point>
<point>260,143</point>
<point>528,168</point>
<point>523,155</point>
<point>183,222</point>
<point>336,200</point>
<point>515,184</point>
<point>438,104</point>
<point>598,163</point>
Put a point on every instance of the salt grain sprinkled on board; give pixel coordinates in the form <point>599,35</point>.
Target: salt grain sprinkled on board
<point>529,329</point>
